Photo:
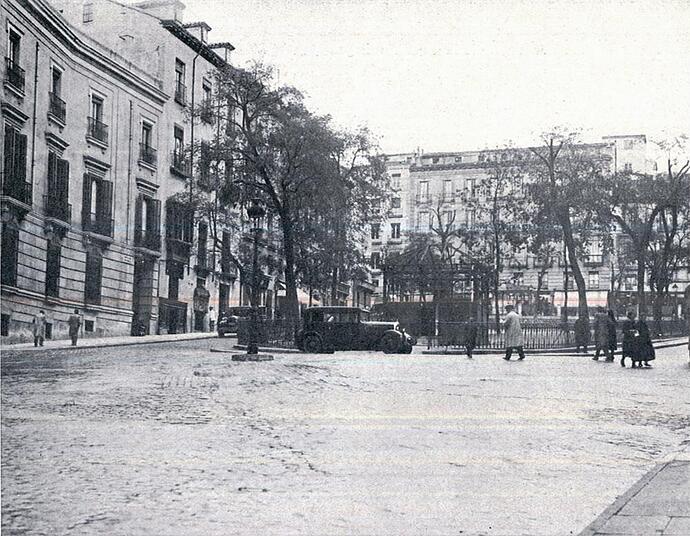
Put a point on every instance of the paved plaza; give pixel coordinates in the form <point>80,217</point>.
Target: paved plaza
<point>172,439</point>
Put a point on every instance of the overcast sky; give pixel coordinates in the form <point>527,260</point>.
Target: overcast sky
<point>461,75</point>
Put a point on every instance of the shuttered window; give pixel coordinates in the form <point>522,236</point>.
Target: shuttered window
<point>93,278</point>
<point>53,270</point>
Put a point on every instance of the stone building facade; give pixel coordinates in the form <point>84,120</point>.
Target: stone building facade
<point>70,117</point>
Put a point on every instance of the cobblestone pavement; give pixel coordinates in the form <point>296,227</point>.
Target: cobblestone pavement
<point>173,439</point>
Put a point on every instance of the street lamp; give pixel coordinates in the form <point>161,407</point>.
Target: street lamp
<point>255,212</point>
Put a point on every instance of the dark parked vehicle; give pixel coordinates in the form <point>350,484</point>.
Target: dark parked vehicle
<point>228,319</point>
<point>349,328</point>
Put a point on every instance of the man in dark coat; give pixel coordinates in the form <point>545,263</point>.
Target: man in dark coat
<point>629,329</point>
<point>645,348</point>
<point>581,334</point>
<point>613,338</point>
<point>601,334</point>
<point>74,323</point>
<point>470,336</point>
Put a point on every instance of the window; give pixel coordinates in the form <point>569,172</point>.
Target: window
<point>147,153</point>
<point>4,325</point>
<point>57,199</point>
<point>594,253</point>
<point>375,231</point>
<point>448,190</point>
<point>458,158</point>
<point>448,219</point>
<point>147,218</point>
<point>178,156</point>
<point>206,113</point>
<point>179,223</point>
<point>14,184</point>
<point>89,325</point>
<point>53,269</point>
<point>14,74</point>
<point>9,257</point>
<point>94,269</point>
<point>423,195</point>
<point>375,282</point>
<point>593,281</point>
<point>180,88</point>
<point>395,180</point>
<point>87,12</point>
<point>56,106</point>
<point>434,160</point>
<point>627,167</point>
<point>518,279</point>
<point>570,280</point>
<point>96,128</point>
<point>395,202</point>
<point>395,230</point>
<point>630,282</point>
<point>423,221</point>
<point>97,207</point>
<point>375,260</point>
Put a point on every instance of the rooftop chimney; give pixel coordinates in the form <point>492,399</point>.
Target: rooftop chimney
<point>162,9</point>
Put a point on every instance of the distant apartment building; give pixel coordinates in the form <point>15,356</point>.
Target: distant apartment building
<point>425,186</point>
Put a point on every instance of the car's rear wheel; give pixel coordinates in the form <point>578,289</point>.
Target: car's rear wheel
<point>221,334</point>
<point>312,344</point>
<point>390,344</point>
<point>407,349</point>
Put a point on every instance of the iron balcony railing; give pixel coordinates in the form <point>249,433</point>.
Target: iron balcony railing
<point>14,74</point>
<point>180,93</point>
<point>148,154</point>
<point>57,208</point>
<point>17,189</point>
<point>146,238</point>
<point>179,163</point>
<point>57,107</point>
<point>97,130</point>
<point>423,198</point>
<point>98,225</point>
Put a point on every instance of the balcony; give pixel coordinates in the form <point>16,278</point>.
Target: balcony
<point>148,155</point>
<point>448,197</point>
<point>14,75</point>
<point>91,223</point>
<point>57,108</point>
<point>146,238</point>
<point>57,209</point>
<point>179,164</point>
<point>97,130</point>
<point>594,260</point>
<point>181,93</point>
<point>423,199</point>
<point>19,190</point>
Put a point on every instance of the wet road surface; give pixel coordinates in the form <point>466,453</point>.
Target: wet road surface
<point>172,439</point>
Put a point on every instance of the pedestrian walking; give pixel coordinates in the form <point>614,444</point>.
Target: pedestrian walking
<point>629,329</point>
<point>39,328</point>
<point>470,337</point>
<point>601,335</point>
<point>74,323</point>
<point>581,334</point>
<point>513,332</point>
<point>612,338</point>
<point>645,349</point>
<point>211,318</point>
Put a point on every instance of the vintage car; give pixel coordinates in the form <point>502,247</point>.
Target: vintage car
<point>349,328</point>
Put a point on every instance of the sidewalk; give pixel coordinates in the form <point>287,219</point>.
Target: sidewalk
<point>105,342</point>
<point>658,504</point>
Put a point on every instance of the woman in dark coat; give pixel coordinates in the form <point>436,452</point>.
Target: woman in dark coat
<point>645,348</point>
<point>629,329</point>
<point>612,338</point>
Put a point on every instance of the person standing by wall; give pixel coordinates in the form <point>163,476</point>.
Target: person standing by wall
<point>513,333</point>
<point>581,334</point>
<point>74,323</point>
<point>470,336</point>
<point>211,318</point>
<point>39,328</point>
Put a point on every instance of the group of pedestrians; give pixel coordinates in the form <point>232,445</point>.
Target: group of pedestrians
<point>38,327</point>
<point>637,340</point>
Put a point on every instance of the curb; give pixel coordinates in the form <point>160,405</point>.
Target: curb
<point>39,350</point>
<point>622,500</point>
<point>272,350</point>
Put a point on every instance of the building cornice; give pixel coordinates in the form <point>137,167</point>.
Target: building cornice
<point>203,49</point>
<point>51,20</point>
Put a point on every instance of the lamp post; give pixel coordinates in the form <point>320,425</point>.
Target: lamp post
<point>255,212</point>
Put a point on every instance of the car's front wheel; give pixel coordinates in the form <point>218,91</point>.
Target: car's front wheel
<point>312,344</point>
<point>390,344</point>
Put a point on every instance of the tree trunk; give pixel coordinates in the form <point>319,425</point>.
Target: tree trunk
<point>496,278</point>
<point>292,304</point>
<point>582,309</point>
<point>641,298</point>
<point>334,286</point>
